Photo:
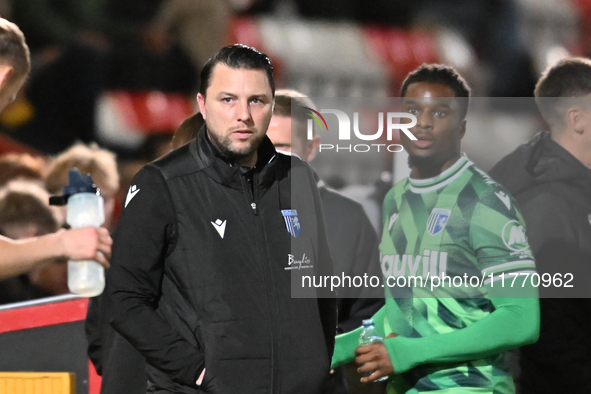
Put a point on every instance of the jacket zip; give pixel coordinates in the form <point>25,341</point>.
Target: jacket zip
<point>251,191</point>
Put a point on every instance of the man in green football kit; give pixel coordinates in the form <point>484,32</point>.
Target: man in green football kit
<point>447,221</point>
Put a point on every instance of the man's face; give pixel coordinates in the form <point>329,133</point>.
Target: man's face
<point>439,127</point>
<point>237,109</point>
<point>8,91</point>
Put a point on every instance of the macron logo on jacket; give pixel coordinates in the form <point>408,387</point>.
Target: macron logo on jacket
<point>220,227</point>
<point>133,190</point>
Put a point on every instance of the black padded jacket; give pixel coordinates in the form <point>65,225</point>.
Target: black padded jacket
<point>205,273</point>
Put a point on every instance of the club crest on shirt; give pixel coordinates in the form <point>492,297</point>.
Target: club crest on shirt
<point>292,222</point>
<point>437,220</point>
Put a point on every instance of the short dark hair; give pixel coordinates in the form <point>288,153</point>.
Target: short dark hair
<point>283,107</point>
<point>187,130</point>
<point>566,79</point>
<point>238,56</point>
<point>442,74</point>
<point>14,50</point>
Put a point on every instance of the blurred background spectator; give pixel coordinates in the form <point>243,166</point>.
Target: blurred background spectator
<point>21,166</point>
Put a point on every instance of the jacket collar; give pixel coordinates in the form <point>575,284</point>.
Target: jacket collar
<point>548,161</point>
<point>538,161</point>
<point>226,172</point>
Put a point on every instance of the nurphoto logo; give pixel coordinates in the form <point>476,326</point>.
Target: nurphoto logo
<point>391,119</point>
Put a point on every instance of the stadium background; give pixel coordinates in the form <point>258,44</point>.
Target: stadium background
<point>126,76</point>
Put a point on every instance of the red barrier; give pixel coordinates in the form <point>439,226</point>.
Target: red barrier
<point>23,322</point>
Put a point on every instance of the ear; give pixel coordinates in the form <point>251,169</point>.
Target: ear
<point>312,148</point>
<point>575,119</point>
<point>5,72</point>
<point>462,128</point>
<point>201,103</point>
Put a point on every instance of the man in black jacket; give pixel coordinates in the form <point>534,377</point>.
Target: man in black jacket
<point>212,244</point>
<point>551,178</point>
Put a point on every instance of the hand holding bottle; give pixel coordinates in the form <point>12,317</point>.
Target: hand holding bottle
<point>86,243</point>
<point>372,355</point>
<point>86,276</point>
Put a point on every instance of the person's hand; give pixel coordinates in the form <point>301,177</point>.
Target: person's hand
<point>200,380</point>
<point>374,357</point>
<point>87,243</point>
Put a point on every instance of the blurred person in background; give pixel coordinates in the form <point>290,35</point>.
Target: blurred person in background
<point>550,176</point>
<point>25,213</point>
<point>352,240</point>
<point>447,217</point>
<point>17,257</point>
<point>100,164</point>
<point>199,26</point>
<point>21,166</point>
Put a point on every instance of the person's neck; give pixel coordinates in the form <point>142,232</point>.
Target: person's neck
<point>248,161</point>
<point>574,144</point>
<point>431,170</point>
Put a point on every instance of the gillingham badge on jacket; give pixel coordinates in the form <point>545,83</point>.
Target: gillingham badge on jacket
<point>292,222</point>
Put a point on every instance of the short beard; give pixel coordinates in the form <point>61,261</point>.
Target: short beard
<point>225,147</point>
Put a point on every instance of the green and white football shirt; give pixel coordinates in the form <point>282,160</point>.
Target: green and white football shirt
<point>459,225</point>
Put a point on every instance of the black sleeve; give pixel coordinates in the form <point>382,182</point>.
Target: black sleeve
<point>145,236</point>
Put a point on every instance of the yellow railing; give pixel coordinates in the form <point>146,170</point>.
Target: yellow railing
<point>37,383</point>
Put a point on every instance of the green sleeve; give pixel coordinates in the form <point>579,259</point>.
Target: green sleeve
<point>514,322</point>
<point>345,344</point>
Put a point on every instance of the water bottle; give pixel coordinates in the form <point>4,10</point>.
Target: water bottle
<point>85,208</point>
<point>370,335</point>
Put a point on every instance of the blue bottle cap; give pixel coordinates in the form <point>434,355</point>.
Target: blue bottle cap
<point>367,322</point>
<point>78,184</point>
